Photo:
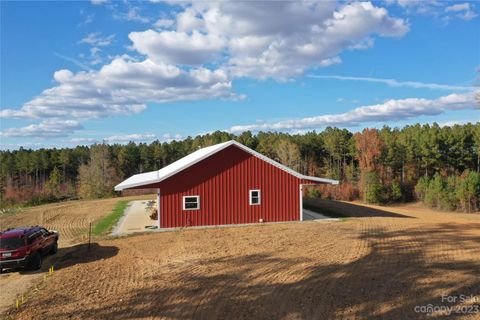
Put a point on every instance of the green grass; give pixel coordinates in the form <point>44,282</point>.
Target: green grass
<point>107,223</point>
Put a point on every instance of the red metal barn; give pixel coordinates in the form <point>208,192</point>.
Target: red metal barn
<point>227,183</point>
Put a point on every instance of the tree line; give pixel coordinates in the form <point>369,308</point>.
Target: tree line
<point>435,164</point>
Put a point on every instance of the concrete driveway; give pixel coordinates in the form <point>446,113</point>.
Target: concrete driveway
<point>135,218</point>
<point>311,215</point>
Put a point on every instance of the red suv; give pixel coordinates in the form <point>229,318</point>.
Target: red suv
<point>26,247</point>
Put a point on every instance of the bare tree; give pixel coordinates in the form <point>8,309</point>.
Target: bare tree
<point>288,154</point>
<point>97,178</point>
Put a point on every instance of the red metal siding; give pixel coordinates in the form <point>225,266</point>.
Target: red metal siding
<point>223,182</point>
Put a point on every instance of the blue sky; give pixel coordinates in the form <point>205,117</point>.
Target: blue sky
<point>79,72</point>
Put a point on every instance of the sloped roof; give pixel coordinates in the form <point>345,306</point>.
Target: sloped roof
<point>147,178</point>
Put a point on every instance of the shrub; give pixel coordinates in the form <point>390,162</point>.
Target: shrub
<point>421,188</point>
<point>451,193</point>
<point>434,191</point>
<point>468,191</point>
<point>447,199</point>
<point>313,193</point>
<point>373,188</point>
<point>344,191</point>
<point>396,193</point>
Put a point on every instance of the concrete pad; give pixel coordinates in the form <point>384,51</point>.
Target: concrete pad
<point>135,218</point>
<point>311,215</point>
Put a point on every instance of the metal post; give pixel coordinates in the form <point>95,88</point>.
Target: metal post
<point>89,234</point>
<point>301,202</point>
<point>158,208</point>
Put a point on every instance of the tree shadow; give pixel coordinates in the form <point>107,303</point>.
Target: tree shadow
<point>336,209</point>
<point>84,253</point>
<point>73,255</point>
<point>402,271</point>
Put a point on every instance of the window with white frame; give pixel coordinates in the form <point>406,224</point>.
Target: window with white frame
<point>255,197</point>
<point>191,202</point>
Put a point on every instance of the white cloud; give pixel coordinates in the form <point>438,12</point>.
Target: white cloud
<point>467,15</point>
<point>130,137</point>
<point>177,47</point>
<point>396,83</point>
<point>96,39</point>
<point>167,137</point>
<point>135,137</point>
<point>391,110</point>
<point>132,14</point>
<point>267,39</point>
<point>30,145</point>
<point>45,129</point>
<point>207,45</point>
<point>98,2</point>
<point>122,87</point>
<point>457,122</point>
<point>458,7</point>
<point>437,8</point>
<point>83,140</point>
<point>464,10</point>
<point>343,100</point>
<point>163,23</point>
<point>95,56</point>
<point>87,17</point>
<point>415,3</point>
<point>72,60</point>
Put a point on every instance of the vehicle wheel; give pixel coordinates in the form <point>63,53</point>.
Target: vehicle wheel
<point>54,248</point>
<point>36,262</point>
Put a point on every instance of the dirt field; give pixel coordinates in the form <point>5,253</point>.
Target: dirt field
<point>386,263</point>
<point>70,218</point>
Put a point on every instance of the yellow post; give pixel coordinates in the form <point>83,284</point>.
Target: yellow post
<point>17,303</point>
<point>23,297</point>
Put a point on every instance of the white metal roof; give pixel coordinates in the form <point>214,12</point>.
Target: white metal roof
<point>189,160</point>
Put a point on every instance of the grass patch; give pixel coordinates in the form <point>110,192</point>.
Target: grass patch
<point>107,223</point>
<point>326,212</point>
<point>10,211</point>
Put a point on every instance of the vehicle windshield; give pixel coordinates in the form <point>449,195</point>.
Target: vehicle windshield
<point>11,243</point>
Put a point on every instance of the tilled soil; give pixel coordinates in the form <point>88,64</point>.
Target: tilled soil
<point>71,219</point>
<point>386,263</point>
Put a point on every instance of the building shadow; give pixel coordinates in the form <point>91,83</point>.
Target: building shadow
<point>338,209</point>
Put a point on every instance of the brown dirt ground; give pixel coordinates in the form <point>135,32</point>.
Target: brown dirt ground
<point>379,265</point>
<point>70,219</point>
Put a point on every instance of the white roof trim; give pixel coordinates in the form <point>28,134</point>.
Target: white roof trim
<point>321,180</point>
<point>197,156</point>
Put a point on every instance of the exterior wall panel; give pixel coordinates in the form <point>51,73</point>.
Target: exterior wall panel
<point>223,181</point>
